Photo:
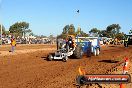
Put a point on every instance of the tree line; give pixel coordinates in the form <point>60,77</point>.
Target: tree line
<point>17,29</point>
<point>70,30</point>
<point>111,31</point>
<point>20,29</point>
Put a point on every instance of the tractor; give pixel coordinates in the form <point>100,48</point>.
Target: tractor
<point>76,47</point>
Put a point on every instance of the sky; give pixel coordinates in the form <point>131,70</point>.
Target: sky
<point>50,16</point>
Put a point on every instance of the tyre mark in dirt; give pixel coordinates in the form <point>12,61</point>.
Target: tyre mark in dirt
<point>25,66</point>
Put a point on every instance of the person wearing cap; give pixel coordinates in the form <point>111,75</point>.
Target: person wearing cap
<point>13,43</point>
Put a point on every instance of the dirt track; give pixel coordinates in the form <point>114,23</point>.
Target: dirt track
<point>30,69</point>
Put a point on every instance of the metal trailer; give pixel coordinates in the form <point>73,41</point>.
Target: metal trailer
<point>84,45</point>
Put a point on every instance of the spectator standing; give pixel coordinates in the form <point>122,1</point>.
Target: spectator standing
<point>13,43</point>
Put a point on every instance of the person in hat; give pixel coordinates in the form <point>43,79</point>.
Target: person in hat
<point>13,43</point>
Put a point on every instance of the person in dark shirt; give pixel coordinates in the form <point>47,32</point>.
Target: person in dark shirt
<point>70,42</point>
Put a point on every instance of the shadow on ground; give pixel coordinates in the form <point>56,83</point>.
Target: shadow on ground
<point>112,46</point>
<point>109,61</point>
<point>46,58</point>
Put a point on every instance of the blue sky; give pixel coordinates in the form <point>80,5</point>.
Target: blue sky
<point>50,16</point>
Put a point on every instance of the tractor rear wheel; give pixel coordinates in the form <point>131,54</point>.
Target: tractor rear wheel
<point>78,52</point>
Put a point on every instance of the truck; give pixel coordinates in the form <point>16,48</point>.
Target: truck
<point>83,45</point>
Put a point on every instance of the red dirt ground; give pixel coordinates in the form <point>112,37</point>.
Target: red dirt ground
<point>28,67</point>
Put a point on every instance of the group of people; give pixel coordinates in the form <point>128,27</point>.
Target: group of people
<point>69,43</point>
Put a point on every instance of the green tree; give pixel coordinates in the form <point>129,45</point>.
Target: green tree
<point>66,29</point>
<point>130,32</point>
<point>20,28</point>
<point>71,30</point>
<point>43,36</point>
<point>6,33</point>
<point>83,34</point>
<point>113,29</point>
<point>31,34</point>
<point>119,36</point>
<point>94,31</point>
<point>103,33</point>
<point>51,36</point>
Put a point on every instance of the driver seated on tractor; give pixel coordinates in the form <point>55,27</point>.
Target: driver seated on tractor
<point>71,42</point>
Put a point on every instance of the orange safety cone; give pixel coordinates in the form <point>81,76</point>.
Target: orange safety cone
<point>81,71</point>
<point>125,68</point>
<point>122,86</point>
<point>125,71</point>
